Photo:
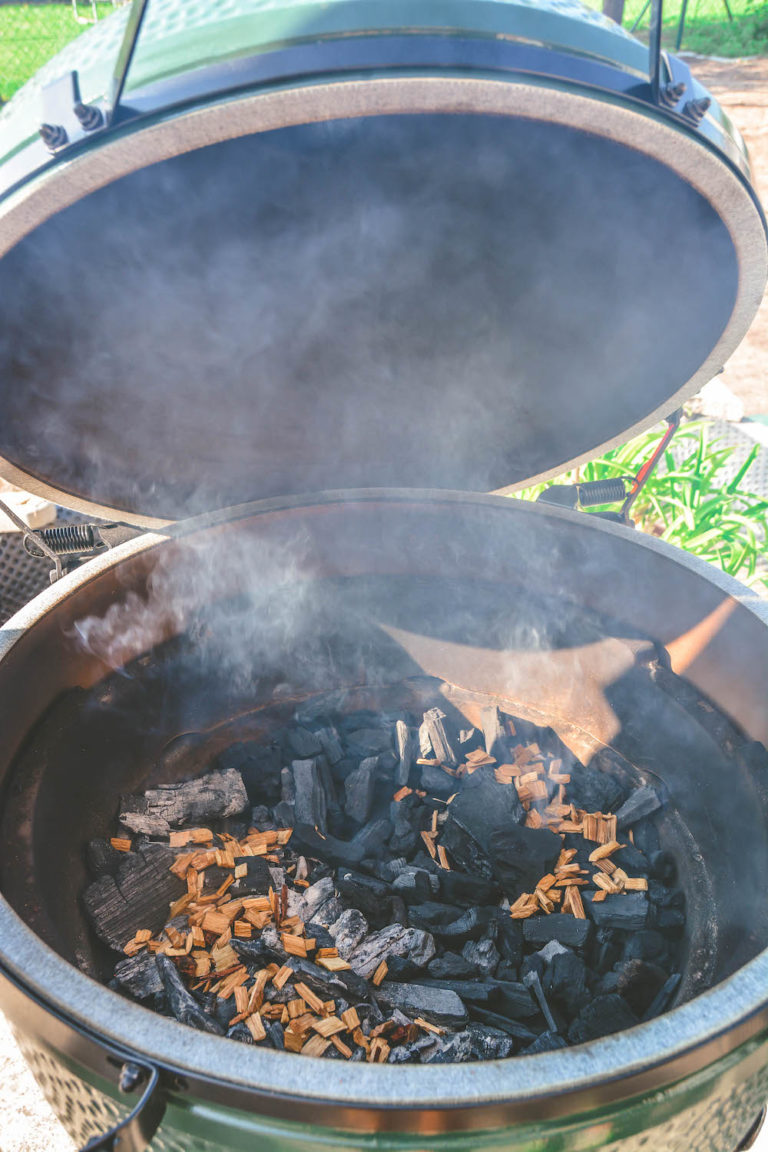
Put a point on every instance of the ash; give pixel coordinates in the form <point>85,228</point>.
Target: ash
<point>396,889</point>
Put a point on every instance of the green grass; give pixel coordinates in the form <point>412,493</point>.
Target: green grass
<point>690,502</point>
<point>30,34</point>
<point>707,27</point>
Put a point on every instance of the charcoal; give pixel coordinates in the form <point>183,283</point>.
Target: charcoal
<point>547,1042</point>
<point>439,737</point>
<point>404,838</point>
<point>533,983</point>
<point>310,805</point>
<point>348,931</point>
<point>602,1016</point>
<point>330,744</point>
<point>287,786</point>
<point>359,789</point>
<point>458,888</point>
<point>240,1033</point>
<point>472,924</point>
<point>508,1027</point>
<point>257,953</point>
<point>646,837</point>
<point>258,878</point>
<point>405,745</point>
<point>669,919</point>
<point>627,911</point>
<point>320,707</point>
<point>182,1003</point>
<point>464,850</point>
<point>639,983</point>
<point>664,996</point>
<point>388,762</point>
<point>560,926</point>
<point>552,949</point>
<point>416,885</point>
<point>632,860</point>
<point>284,815</point>
<point>433,915</point>
<point>494,734</point>
<point>333,808</point>
<point>302,743</point>
<point>275,1035</point>
<point>565,982</point>
<point>317,894</point>
<point>319,932</point>
<point>367,742</point>
<point>647,945</point>
<point>513,1000</point>
<point>139,975</point>
<point>410,1053</point>
<point>663,867</point>
<point>521,856</point>
<point>489,1043</point>
<point>640,803</point>
<point>434,781</point>
<point>506,971</point>
<point>137,897</point>
<point>426,751</point>
<point>509,940</point>
<point>223,1011</point>
<point>373,897</point>
<point>533,963</point>
<point>593,790</point>
<point>329,985</point>
<point>437,1005</point>
<point>470,740</point>
<point>328,847</point>
<point>664,897</point>
<point>400,913</point>
<point>259,765</point>
<point>403,970</point>
<point>412,943</point>
<point>455,1049</point>
<point>260,817</point>
<point>484,806</point>
<point>482,955</point>
<point>102,859</point>
<point>472,991</point>
<point>450,966</point>
<point>171,805</point>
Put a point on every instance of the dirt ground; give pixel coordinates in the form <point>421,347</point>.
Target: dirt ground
<point>26,1122</point>
<point>741,86</point>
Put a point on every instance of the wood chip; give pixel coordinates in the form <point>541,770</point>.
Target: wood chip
<point>351,1019</point>
<point>402,793</point>
<point>340,1046</point>
<point>425,1024</point>
<point>573,903</point>
<point>294,945</point>
<point>282,976</point>
<point>598,897</point>
<point>329,1026</point>
<point>379,1051</point>
<point>315,1046</point>
<point>312,1000</point>
<point>635,884</point>
<point>242,929</point>
<point>215,922</point>
<point>604,850</point>
<point>255,1026</point>
<point>380,973</point>
<point>333,963</point>
<point>120,844</point>
<point>428,838</point>
<point>442,858</point>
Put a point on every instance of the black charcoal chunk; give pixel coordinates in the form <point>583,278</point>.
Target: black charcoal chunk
<point>669,919</point>
<point>664,997</point>
<point>139,975</point>
<point>640,803</point>
<point>494,734</point>
<point>371,896</point>
<point>547,1042</point>
<point>329,985</point>
<point>482,955</point>
<point>320,707</point>
<point>416,885</point>
<point>513,1000</point>
<point>533,983</point>
<point>137,897</point>
<point>258,878</point>
<point>646,837</point>
<point>372,839</point>
<point>302,743</point>
<point>663,867</point>
<point>627,911</point>
<point>411,943</point>
<point>506,971</point>
<point>240,1033</point>
<point>310,805</point>
<point>647,945</point>
<point>496,1020</point>
<point>484,806</point>
<point>326,847</point>
<point>102,859</point>
<point>330,744</point>
<point>436,782</point>
<point>359,788</point>
<point>182,1003</point>
<point>470,740</point>
<point>259,765</point>
<point>489,1043</point>
<point>521,856</point>
<point>412,1053</point>
<point>405,746</point>
<point>593,790</point>
<point>602,1016</point>
<point>565,982</point>
<point>459,888</point>
<point>275,1035</point>
<point>472,924</point>
<point>453,1049</point>
<point>367,742</point>
<point>639,983</point>
<point>171,805</point>
<point>509,939</point>
<point>403,970</point>
<point>284,815</point>
<point>404,838</point>
<point>632,860</point>
<point>464,850</point>
<point>287,786</point>
<point>433,915</point>
<point>450,966</point>
<point>439,737</point>
<point>316,895</point>
<point>560,926</point>
<point>348,931</point>
<point>437,1005</point>
<point>471,991</point>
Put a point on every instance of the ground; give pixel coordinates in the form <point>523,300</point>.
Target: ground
<point>26,1122</point>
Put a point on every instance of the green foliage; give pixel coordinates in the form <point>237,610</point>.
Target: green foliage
<point>708,29</point>
<point>689,502</point>
<point>30,34</point>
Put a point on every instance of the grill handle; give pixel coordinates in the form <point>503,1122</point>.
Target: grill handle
<point>135,1132</point>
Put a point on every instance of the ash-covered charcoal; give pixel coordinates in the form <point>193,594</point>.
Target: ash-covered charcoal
<point>136,898</point>
<point>400,893</point>
<point>196,801</point>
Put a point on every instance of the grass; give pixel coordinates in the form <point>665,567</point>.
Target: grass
<point>30,34</point>
<point>707,27</point>
<point>690,501</point>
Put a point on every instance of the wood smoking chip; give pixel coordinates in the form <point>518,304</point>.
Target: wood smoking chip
<point>533,819</point>
<point>312,1000</point>
<point>315,1046</point>
<point>427,837</point>
<point>379,1051</point>
<point>606,866</point>
<point>294,945</point>
<point>242,995</point>
<point>326,953</point>
<point>243,930</point>
<point>329,1026</point>
<point>544,903</point>
<point>604,850</point>
<point>425,1024</point>
<point>257,904</point>
<point>333,963</point>
<point>182,863</point>
<point>547,882</point>
<point>293,1042</point>
<point>380,973</point>
<point>442,858</point>
<point>255,1026</point>
<point>575,903</point>
<point>301,883</point>
<point>282,976</point>
<point>351,1019</point>
<point>602,881</point>
<point>240,871</point>
<point>340,1046</point>
<point>635,884</point>
<point>120,844</point>
<point>215,922</point>
<point>402,793</point>
<point>599,896</point>
<point>361,1039</point>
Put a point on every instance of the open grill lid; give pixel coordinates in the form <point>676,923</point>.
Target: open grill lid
<point>437,259</point>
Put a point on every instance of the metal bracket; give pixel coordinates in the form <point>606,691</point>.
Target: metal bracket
<point>135,1132</point>
<point>655,61</point>
<point>69,545</point>
<point>125,57</point>
<point>65,116</point>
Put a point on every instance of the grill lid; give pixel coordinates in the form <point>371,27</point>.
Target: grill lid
<point>438,280</point>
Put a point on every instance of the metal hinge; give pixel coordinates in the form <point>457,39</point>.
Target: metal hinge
<point>616,489</point>
<point>68,546</point>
